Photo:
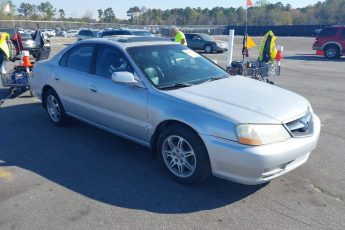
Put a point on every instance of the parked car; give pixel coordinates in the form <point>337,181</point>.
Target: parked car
<point>201,41</point>
<point>190,112</point>
<point>87,34</point>
<point>71,33</point>
<point>137,32</point>
<point>331,40</point>
<point>28,43</point>
<point>29,32</point>
<point>61,33</point>
<point>48,32</point>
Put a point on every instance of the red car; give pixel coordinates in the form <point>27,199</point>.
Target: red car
<point>331,40</point>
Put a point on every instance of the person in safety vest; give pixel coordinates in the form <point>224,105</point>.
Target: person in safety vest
<point>268,50</point>
<point>179,35</point>
<point>5,50</point>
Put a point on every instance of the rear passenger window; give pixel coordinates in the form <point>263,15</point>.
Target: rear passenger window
<point>328,32</point>
<point>188,36</point>
<point>343,33</point>
<point>63,60</point>
<point>79,58</point>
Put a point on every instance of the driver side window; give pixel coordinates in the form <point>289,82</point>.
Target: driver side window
<point>110,60</point>
<point>196,37</point>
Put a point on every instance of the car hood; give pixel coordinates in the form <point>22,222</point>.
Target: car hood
<point>244,100</point>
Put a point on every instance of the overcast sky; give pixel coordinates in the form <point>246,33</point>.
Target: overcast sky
<point>78,8</point>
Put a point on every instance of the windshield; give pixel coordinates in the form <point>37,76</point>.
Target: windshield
<point>174,65</point>
<point>206,37</point>
<point>96,33</point>
<point>143,33</point>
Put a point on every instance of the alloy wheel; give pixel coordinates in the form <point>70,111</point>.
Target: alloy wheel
<point>53,108</point>
<point>331,52</point>
<point>179,156</point>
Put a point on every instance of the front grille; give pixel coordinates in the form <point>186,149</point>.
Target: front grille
<point>302,127</point>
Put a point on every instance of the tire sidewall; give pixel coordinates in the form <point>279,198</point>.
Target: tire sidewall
<point>210,50</point>
<point>62,120</point>
<point>203,169</point>
<point>335,48</point>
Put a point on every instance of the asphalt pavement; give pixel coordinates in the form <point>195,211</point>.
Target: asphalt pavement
<point>80,177</point>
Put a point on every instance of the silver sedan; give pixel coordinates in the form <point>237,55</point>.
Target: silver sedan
<point>187,110</point>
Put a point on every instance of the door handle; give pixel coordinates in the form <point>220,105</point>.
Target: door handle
<point>93,89</point>
<point>56,77</point>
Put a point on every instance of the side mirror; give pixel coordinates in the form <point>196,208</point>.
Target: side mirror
<point>125,77</point>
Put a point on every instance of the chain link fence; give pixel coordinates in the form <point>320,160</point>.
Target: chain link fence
<point>164,30</point>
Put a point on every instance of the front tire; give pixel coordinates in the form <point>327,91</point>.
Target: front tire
<point>55,109</point>
<point>332,51</point>
<point>184,155</point>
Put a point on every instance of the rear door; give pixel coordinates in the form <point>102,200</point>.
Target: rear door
<point>327,35</point>
<point>70,78</point>
<point>119,107</point>
<point>189,38</point>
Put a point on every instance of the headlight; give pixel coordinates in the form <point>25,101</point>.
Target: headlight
<point>254,134</point>
<point>218,44</point>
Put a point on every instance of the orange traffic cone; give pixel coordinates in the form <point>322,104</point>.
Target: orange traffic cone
<point>320,52</point>
<point>26,59</point>
<point>279,56</point>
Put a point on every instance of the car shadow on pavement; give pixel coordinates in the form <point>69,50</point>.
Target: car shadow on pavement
<point>6,93</point>
<point>312,57</point>
<point>3,93</point>
<point>104,167</point>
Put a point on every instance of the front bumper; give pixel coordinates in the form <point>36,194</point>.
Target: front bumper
<point>316,47</point>
<point>220,48</point>
<point>259,164</point>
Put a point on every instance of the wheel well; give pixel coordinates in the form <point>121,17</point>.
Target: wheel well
<point>44,91</point>
<point>160,128</point>
<point>332,44</point>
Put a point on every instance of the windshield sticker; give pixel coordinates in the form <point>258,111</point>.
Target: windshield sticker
<point>191,53</point>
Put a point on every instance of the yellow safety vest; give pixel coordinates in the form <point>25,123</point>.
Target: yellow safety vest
<point>3,44</point>
<point>179,36</point>
<point>273,49</point>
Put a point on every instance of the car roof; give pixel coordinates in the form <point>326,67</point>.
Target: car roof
<point>126,41</point>
<point>135,29</point>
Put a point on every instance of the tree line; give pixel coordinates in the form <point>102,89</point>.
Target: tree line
<point>262,13</point>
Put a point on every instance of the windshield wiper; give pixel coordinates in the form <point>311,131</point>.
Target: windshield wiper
<point>177,85</point>
<point>216,78</point>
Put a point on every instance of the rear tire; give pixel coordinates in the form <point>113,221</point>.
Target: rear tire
<point>208,49</point>
<point>184,154</point>
<point>54,107</point>
<point>331,51</point>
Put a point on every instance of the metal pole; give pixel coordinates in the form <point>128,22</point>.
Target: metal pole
<point>15,31</point>
<point>244,49</point>
<point>231,47</point>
